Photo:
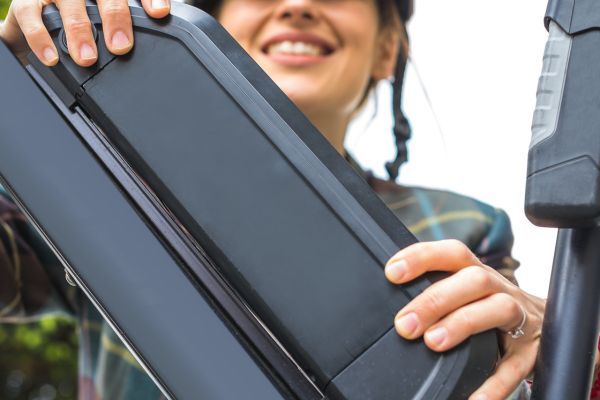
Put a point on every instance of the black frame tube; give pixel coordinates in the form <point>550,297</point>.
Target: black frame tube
<point>565,362</point>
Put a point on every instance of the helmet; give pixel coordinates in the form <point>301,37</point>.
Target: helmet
<point>405,7</point>
<point>402,129</point>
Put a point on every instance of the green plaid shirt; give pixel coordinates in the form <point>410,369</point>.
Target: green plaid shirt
<point>32,280</point>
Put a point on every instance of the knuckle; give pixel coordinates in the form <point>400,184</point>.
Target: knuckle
<point>519,371</point>
<point>514,310</point>
<point>454,242</point>
<point>508,304</point>
<point>115,10</point>
<point>507,377</point>
<point>78,25</point>
<point>508,307</point>
<point>17,8</point>
<point>457,245</point>
<point>466,321</point>
<point>479,277</point>
<point>462,251</point>
<point>433,301</point>
<point>522,371</point>
<point>502,384</point>
<point>22,9</point>
<point>509,373</point>
<point>33,30</point>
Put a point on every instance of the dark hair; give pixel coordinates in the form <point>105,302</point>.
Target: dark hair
<point>387,10</point>
<point>388,17</point>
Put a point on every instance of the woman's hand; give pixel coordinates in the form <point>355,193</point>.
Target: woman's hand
<point>475,298</point>
<point>24,30</point>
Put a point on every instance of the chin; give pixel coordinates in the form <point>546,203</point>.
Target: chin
<point>299,97</point>
<point>302,92</point>
<point>309,106</point>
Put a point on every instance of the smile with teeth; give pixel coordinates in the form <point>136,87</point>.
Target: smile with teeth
<point>296,48</point>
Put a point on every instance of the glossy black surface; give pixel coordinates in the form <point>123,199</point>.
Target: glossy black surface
<point>123,266</point>
<point>257,210</point>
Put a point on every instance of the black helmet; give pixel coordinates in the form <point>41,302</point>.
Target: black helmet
<point>405,7</point>
<point>402,130</point>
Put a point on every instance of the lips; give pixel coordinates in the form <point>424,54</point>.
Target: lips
<point>295,48</point>
<point>298,44</point>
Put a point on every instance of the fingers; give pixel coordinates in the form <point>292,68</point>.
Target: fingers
<point>415,260</point>
<point>28,15</point>
<point>444,297</point>
<point>511,370</point>
<point>78,31</point>
<point>157,8</point>
<point>117,26</point>
<point>498,310</point>
<point>116,22</point>
<point>475,298</point>
<point>24,20</point>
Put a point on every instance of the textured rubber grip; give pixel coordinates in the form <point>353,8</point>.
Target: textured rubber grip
<point>551,84</point>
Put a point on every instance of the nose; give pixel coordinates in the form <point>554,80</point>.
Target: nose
<point>297,11</point>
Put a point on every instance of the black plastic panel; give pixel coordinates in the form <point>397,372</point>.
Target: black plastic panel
<point>283,224</point>
<point>563,184</point>
<point>574,16</point>
<point>124,267</point>
<point>216,170</point>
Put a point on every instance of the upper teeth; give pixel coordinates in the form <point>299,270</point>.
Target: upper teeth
<point>300,48</point>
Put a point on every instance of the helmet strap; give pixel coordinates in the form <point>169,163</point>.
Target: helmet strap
<point>402,129</point>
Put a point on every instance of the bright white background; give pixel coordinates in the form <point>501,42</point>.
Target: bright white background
<point>479,62</point>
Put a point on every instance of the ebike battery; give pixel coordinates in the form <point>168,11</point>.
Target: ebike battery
<point>563,176</point>
<point>251,204</point>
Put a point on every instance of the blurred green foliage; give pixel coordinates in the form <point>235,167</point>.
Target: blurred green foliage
<point>38,361</point>
<point>4,8</point>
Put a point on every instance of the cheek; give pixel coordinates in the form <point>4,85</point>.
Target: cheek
<point>358,27</point>
<point>353,85</point>
<point>233,17</point>
<point>356,70</point>
<point>338,85</point>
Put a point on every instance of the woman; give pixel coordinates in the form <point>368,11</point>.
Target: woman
<point>327,56</point>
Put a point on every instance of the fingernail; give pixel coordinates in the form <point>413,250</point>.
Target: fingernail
<point>49,55</point>
<point>482,396</point>
<point>159,4</point>
<point>120,40</point>
<point>407,324</point>
<point>437,336</point>
<point>86,52</point>
<point>396,271</point>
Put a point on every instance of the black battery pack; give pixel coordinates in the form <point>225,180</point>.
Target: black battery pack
<point>256,211</point>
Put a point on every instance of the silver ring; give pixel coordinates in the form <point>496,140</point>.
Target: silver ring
<point>518,332</point>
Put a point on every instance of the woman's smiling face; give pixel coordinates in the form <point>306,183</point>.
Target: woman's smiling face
<point>321,53</point>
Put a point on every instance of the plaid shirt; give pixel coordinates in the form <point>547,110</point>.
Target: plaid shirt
<point>32,280</point>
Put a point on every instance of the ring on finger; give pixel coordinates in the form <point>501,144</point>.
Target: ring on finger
<point>518,331</point>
